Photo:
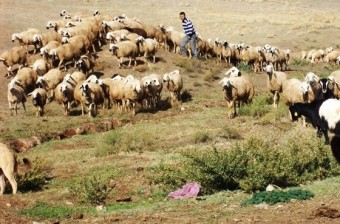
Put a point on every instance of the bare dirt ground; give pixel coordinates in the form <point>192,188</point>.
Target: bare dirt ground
<point>297,25</point>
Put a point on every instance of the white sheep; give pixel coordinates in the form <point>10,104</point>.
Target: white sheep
<point>50,80</point>
<point>147,47</point>
<point>39,98</point>
<point>236,90</point>
<point>15,95</point>
<point>175,37</point>
<point>174,83</point>
<point>65,53</point>
<point>125,49</point>
<point>274,83</point>
<point>15,55</point>
<point>330,114</point>
<point>331,57</point>
<point>41,66</point>
<point>317,56</point>
<point>296,91</point>
<point>56,25</point>
<point>75,78</point>
<point>133,93</point>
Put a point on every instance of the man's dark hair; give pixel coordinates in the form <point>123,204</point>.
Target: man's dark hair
<point>182,13</point>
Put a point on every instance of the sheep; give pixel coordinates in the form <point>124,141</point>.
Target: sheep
<point>75,78</point>
<point>310,111</point>
<point>125,49</point>
<point>26,78</point>
<point>233,72</point>
<point>50,81</point>
<point>147,47</point>
<point>310,54</point>
<point>39,97</point>
<point>15,55</point>
<point>65,53</point>
<point>174,83</point>
<point>44,51</point>
<point>91,95</point>
<point>56,25</point>
<point>41,67</point>
<point>337,60</point>
<point>331,57</point>
<point>274,83</point>
<point>15,95</point>
<point>174,37</point>
<point>317,56</point>
<point>204,47</point>
<point>152,87</point>
<point>236,90</point>
<point>329,113</point>
<point>63,94</point>
<point>25,38</point>
<point>252,56</point>
<point>296,91</point>
<point>45,38</point>
<point>133,93</point>
<point>107,26</point>
<point>116,92</point>
<point>334,83</point>
<point>303,55</point>
<point>80,43</point>
<point>114,35</point>
<point>85,64</point>
<point>9,166</point>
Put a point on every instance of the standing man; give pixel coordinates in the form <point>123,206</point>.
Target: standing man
<point>190,36</point>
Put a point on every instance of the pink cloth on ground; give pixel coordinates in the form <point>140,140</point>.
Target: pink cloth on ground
<point>187,191</point>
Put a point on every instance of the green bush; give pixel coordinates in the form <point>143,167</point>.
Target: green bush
<point>273,197</point>
<point>260,106</point>
<point>252,164</point>
<point>201,137</point>
<point>244,67</point>
<point>91,190</point>
<point>35,178</point>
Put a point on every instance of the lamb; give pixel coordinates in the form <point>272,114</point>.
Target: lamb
<point>147,47</point>
<point>330,115</point>
<point>45,38</point>
<point>50,81</point>
<point>310,111</point>
<point>44,51</point>
<point>236,90</point>
<point>39,97</point>
<point>125,49</point>
<point>26,78</point>
<point>174,83</point>
<point>41,67</point>
<point>25,38</point>
<point>15,95</point>
<point>85,64</point>
<point>274,83</point>
<point>63,94</point>
<point>9,166</point>
<point>15,55</point>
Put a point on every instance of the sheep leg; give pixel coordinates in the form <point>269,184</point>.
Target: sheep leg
<point>120,62</point>
<point>231,112</point>
<point>82,108</point>
<point>16,108</point>
<point>10,177</point>
<point>276,99</point>
<point>2,184</point>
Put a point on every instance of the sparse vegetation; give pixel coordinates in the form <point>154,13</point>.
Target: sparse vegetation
<point>48,211</point>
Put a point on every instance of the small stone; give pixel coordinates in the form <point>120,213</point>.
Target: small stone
<point>270,188</point>
<point>101,208</point>
<point>78,216</point>
<point>262,206</point>
<point>182,108</point>
<point>8,205</point>
<point>68,203</point>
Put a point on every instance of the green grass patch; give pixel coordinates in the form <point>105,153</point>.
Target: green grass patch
<point>260,106</point>
<point>44,210</point>
<point>299,62</point>
<point>273,197</point>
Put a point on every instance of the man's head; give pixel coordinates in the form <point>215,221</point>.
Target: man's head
<point>182,15</point>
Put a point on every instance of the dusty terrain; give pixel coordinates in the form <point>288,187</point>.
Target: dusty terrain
<point>297,25</point>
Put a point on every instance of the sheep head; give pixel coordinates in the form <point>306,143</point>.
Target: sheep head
<point>51,24</point>
<point>37,38</point>
<point>226,82</point>
<point>311,78</point>
<point>40,80</point>
<point>304,87</point>
<point>269,69</point>
<point>166,78</point>
<point>113,48</point>
<point>63,87</point>
<point>234,72</point>
<point>63,13</point>
<point>15,36</point>
<point>96,13</point>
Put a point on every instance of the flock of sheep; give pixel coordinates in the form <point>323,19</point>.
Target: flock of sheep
<point>73,38</point>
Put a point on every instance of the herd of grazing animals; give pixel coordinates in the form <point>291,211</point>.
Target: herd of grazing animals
<point>74,40</point>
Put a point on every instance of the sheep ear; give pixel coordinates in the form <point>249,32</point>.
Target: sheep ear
<point>29,94</point>
<point>2,59</point>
